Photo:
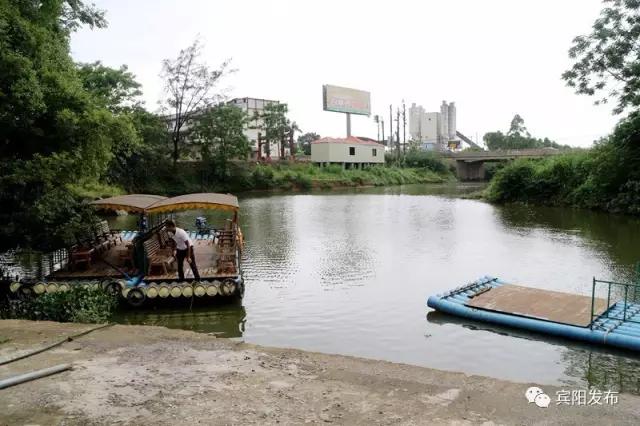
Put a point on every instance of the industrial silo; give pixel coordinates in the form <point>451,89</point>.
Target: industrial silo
<point>444,128</point>
<point>452,121</point>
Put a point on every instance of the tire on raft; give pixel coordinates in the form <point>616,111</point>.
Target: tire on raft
<point>136,297</point>
<point>228,287</point>
<point>112,287</point>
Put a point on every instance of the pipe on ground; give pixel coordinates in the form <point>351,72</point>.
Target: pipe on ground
<point>38,374</point>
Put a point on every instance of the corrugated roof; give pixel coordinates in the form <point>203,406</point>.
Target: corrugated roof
<point>205,200</point>
<point>130,203</point>
<point>351,140</point>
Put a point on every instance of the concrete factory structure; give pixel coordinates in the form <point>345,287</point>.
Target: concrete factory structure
<point>434,130</point>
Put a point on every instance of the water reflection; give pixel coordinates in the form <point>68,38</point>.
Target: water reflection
<point>220,319</point>
<point>584,364</point>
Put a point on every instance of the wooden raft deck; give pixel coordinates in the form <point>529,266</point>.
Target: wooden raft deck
<point>206,256</point>
<point>547,305</point>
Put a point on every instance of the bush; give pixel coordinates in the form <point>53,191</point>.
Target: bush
<point>78,304</point>
<point>425,159</point>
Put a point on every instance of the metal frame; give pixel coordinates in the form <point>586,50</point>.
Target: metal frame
<point>606,313</point>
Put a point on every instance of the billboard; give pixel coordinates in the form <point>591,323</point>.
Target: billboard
<point>342,99</point>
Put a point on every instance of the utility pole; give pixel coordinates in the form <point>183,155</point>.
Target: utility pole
<point>398,132</point>
<point>390,125</point>
<point>259,146</point>
<point>376,118</point>
<point>404,128</point>
<point>382,126</point>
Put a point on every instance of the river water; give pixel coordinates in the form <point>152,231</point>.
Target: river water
<point>350,272</point>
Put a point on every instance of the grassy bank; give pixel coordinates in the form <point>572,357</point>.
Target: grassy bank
<point>78,304</point>
<point>200,177</point>
<point>606,177</point>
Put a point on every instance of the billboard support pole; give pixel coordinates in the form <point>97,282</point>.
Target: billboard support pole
<point>348,125</point>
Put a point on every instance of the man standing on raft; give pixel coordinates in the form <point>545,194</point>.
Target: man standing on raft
<point>184,249</point>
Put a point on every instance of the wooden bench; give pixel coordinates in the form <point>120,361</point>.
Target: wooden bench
<point>157,256</point>
<point>106,233</point>
<point>226,263</point>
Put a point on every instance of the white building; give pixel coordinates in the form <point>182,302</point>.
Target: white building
<point>348,152</point>
<point>254,108</point>
<point>433,130</point>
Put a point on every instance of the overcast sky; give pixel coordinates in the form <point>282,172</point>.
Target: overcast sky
<point>494,58</point>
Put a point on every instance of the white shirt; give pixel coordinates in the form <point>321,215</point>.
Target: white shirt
<point>182,239</point>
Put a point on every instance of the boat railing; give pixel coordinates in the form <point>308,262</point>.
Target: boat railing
<point>629,310</point>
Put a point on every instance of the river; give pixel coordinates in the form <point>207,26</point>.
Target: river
<point>350,272</point>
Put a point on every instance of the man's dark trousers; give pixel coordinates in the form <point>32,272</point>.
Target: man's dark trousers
<point>180,256</point>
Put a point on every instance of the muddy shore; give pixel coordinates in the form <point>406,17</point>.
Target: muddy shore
<point>153,375</point>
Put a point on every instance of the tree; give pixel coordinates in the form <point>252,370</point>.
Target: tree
<point>276,125</point>
<point>517,128</point>
<point>607,61</point>
<point>220,133</point>
<point>305,140</point>
<point>55,135</point>
<point>518,137</point>
<point>189,87</point>
<point>116,89</point>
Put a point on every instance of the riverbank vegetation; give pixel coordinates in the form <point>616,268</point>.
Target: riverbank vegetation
<point>78,304</point>
<point>607,176</point>
<point>518,137</point>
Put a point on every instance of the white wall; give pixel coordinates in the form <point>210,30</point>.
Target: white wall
<point>339,153</point>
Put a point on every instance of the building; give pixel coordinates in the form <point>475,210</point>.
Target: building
<point>254,108</point>
<point>351,152</point>
<point>433,130</point>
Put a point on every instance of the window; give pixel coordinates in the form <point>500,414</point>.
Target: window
<point>352,150</point>
<point>374,152</point>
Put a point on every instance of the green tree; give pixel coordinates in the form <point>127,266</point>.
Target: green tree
<point>220,134</point>
<point>304,141</point>
<point>116,89</point>
<point>189,89</point>
<point>607,61</point>
<point>517,128</point>
<point>55,135</point>
<point>276,126</point>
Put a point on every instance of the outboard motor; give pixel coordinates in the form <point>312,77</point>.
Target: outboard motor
<point>201,225</point>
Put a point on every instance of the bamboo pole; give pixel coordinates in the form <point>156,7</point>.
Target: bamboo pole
<point>152,292</point>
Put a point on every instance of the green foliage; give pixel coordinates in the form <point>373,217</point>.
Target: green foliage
<point>518,137</point>
<point>57,136</point>
<point>114,89</point>
<point>606,62</point>
<point>304,141</point>
<point>220,134</point>
<point>78,304</point>
<point>276,126</point>
<point>425,159</point>
<point>607,177</point>
<point>189,90</point>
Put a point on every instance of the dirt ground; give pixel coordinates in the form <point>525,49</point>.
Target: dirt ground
<point>153,375</point>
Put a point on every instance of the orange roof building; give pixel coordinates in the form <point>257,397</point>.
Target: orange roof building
<point>348,152</point>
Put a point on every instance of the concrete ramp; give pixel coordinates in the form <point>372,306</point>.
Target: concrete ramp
<point>546,305</point>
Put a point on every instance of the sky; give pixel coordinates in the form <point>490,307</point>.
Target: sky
<point>494,58</point>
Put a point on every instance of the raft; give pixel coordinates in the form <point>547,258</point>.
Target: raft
<point>589,319</point>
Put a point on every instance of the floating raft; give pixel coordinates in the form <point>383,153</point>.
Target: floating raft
<point>549,312</point>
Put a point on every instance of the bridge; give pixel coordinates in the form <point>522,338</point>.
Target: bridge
<point>470,164</point>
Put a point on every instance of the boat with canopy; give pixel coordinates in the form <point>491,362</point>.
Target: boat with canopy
<point>139,265</point>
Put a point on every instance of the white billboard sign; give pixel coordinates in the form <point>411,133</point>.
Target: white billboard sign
<point>343,99</point>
